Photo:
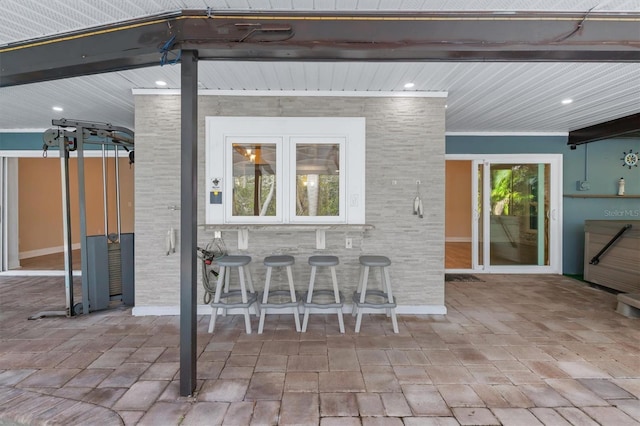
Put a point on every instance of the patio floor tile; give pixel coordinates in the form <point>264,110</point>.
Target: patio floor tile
<point>338,405</point>
<point>474,416</point>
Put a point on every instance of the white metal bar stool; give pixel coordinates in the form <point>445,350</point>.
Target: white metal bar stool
<point>323,298</point>
<point>279,299</point>
<point>229,299</point>
<point>364,298</point>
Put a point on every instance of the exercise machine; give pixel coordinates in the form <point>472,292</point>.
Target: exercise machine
<point>107,261</point>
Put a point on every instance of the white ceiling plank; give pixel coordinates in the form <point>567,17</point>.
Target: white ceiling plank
<point>297,4</point>
<point>239,4</point>
<point>311,76</point>
<point>324,5</point>
<point>260,4</point>
<point>412,4</point>
<point>356,76</point>
<point>367,5</point>
<point>295,73</point>
<point>218,75</point>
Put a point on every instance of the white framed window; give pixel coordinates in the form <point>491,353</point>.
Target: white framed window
<point>253,182</point>
<point>316,183</point>
<point>281,170</point>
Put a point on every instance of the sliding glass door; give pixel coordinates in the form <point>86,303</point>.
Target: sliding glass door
<point>516,221</point>
<point>477,244</point>
<point>3,215</point>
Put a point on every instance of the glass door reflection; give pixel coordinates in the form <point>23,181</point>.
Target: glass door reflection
<point>518,214</point>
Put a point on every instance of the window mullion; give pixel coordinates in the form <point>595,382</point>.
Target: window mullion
<point>283,183</point>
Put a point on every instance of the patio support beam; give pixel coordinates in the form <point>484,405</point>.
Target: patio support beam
<point>628,126</point>
<point>188,220</point>
<point>311,36</point>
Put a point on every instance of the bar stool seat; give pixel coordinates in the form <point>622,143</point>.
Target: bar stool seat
<point>324,260</point>
<point>364,298</point>
<point>234,260</point>
<point>323,298</point>
<point>279,260</point>
<point>282,298</point>
<point>225,298</point>
<point>371,260</point>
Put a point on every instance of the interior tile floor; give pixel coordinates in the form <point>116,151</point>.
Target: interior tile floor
<point>50,262</point>
<point>512,350</point>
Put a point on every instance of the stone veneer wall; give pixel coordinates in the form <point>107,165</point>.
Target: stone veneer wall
<point>405,142</point>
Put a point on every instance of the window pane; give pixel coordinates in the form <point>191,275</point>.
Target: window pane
<point>317,180</point>
<point>254,179</point>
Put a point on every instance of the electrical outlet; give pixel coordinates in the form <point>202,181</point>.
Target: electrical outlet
<point>348,243</point>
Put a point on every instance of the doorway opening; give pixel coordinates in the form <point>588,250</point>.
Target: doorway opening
<point>458,213</point>
<point>35,215</point>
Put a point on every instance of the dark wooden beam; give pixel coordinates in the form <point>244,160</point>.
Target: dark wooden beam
<point>554,37</point>
<point>132,44</point>
<point>620,127</point>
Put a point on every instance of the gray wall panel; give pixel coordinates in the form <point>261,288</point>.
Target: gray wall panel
<point>405,142</point>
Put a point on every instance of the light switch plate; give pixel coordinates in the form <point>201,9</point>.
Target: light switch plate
<point>583,185</point>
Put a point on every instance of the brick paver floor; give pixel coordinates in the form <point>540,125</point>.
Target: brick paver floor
<point>512,350</point>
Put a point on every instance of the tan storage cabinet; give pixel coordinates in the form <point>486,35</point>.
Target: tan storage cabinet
<point>619,266</point>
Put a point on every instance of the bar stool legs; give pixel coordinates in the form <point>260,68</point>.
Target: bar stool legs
<point>227,299</point>
<point>269,297</point>
<point>332,303</point>
<point>374,299</point>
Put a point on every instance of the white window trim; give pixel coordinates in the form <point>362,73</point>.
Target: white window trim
<point>352,163</point>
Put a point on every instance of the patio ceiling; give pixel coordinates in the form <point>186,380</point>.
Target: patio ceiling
<point>588,55</point>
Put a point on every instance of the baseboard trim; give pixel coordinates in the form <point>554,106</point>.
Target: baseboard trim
<point>421,309</point>
<point>45,251</point>
<point>37,273</point>
<point>140,311</point>
<point>457,240</point>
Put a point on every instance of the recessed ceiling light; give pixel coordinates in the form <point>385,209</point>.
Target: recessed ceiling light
<point>161,83</point>
<point>58,108</point>
<point>566,101</point>
<point>409,85</point>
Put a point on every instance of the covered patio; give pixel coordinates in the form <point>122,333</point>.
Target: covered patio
<point>512,350</point>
